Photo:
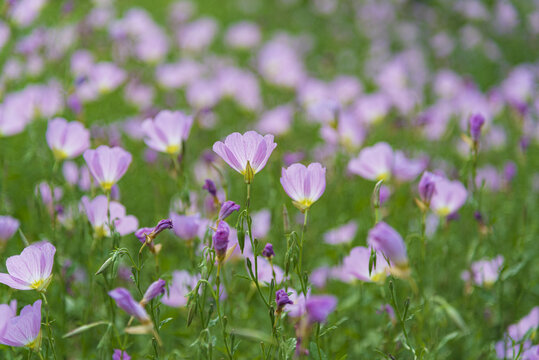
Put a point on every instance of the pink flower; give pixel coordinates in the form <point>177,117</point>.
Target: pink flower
<point>343,234</point>
<point>107,165</point>
<point>243,35</point>
<point>484,272</point>
<point>373,163</point>
<point>305,185</point>
<point>120,355</point>
<point>96,211</point>
<point>125,301</point>
<point>356,264</point>
<point>8,226</point>
<point>23,330</point>
<point>31,269</point>
<point>448,197</point>
<point>388,241</point>
<point>167,131</point>
<point>247,153</point>
<point>182,283</point>
<point>67,140</point>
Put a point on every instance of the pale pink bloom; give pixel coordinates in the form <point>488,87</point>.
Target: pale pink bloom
<point>356,265</point>
<point>342,234</point>
<point>305,185</point>
<point>8,227</point>
<point>167,131</point>
<point>98,215</point>
<point>197,35</point>
<point>107,165</point>
<point>484,272</point>
<point>203,94</point>
<point>182,283</point>
<point>373,163</point>
<point>448,197</point>
<point>277,120</point>
<point>31,270</point>
<point>177,75</point>
<point>67,140</point>
<point>389,242</point>
<point>243,35</point>
<point>106,77</point>
<point>251,148</point>
<point>279,64</point>
<point>261,223</point>
<point>23,330</point>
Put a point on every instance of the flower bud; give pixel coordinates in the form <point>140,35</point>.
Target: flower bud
<point>209,186</point>
<point>227,209</point>
<point>220,239</point>
<point>268,251</point>
<point>249,173</point>
<point>476,123</point>
<point>427,186</point>
<point>155,289</point>
<point>282,299</point>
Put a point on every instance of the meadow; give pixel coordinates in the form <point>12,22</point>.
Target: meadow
<point>281,179</point>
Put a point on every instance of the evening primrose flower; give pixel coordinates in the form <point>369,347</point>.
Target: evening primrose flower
<point>67,140</point>
<point>23,330</point>
<point>8,226</point>
<point>155,289</point>
<point>125,301</point>
<point>31,270</point>
<point>167,131</point>
<point>305,185</point>
<point>120,355</point>
<point>97,213</point>
<point>374,162</point>
<point>389,242</point>
<point>356,265</point>
<point>182,284</point>
<point>448,197</point>
<point>319,307</point>
<point>247,153</point>
<point>107,165</point>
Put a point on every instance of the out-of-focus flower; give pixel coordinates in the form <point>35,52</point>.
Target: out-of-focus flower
<point>484,272</point>
<point>167,131</point>
<point>373,163</point>
<point>507,348</point>
<point>448,197</point>
<point>182,284</point>
<point>70,170</point>
<point>385,239</point>
<point>31,270</point>
<point>97,213</point>
<point>120,355</point>
<point>305,185</point>
<point>343,234</point>
<point>23,330</point>
<point>186,227</point>
<point>427,186</point>
<point>277,120</point>
<point>243,35</point>
<point>67,140</point>
<point>261,223</point>
<point>197,35</point>
<point>106,77</point>
<point>247,153</point>
<point>319,307</point>
<point>107,165</point>
<point>8,227</point>
<point>49,197</point>
<point>476,123</point>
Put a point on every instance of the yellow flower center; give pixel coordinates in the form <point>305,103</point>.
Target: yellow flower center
<point>107,185</point>
<point>383,176</point>
<point>59,154</point>
<point>443,211</point>
<point>172,149</point>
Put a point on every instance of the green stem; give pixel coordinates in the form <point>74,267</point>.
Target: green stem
<point>300,262</point>
<point>50,336</point>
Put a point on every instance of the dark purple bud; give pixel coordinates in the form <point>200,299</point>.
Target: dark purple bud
<point>453,216</point>
<point>282,299</point>
<point>427,186</point>
<point>476,123</point>
<point>210,187</point>
<point>156,288</point>
<point>319,307</point>
<point>162,225</point>
<point>228,208</point>
<point>220,239</point>
<point>268,251</point>
<point>509,171</point>
<point>477,215</point>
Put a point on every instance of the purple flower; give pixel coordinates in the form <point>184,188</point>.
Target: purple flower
<point>342,234</point>
<point>220,239</point>
<point>167,131</point>
<point>186,227</point>
<point>96,211</point>
<point>373,163</point>
<point>182,283</point>
<point>23,330</point>
<point>305,185</point>
<point>210,187</point>
<point>107,165</point>
<point>484,272</point>
<point>427,186</point>
<point>385,239</point>
<point>386,308</point>
<point>282,299</point>
<point>243,35</point>
<point>509,171</point>
<point>67,140</point>
<point>227,209</point>
<point>268,251</point>
<point>156,288</point>
<point>319,307</point>
<point>448,197</point>
<point>476,123</point>
<point>120,355</point>
<point>8,226</point>
<point>125,301</point>
<point>31,269</point>
<point>247,153</point>
<point>356,265</point>
<point>6,313</point>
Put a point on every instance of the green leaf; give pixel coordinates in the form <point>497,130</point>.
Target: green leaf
<point>83,328</point>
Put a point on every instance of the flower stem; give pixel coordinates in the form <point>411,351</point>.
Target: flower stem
<point>50,336</point>
<point>300,262</point>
